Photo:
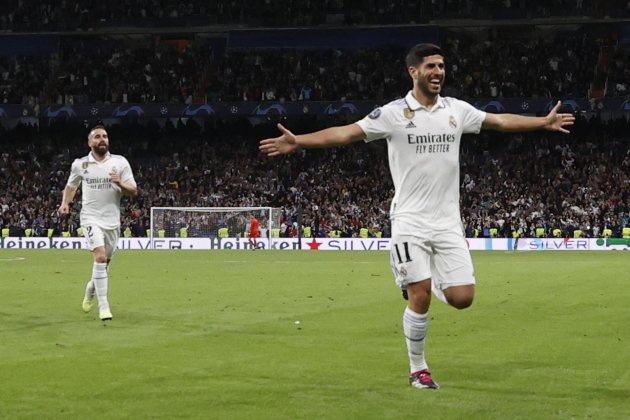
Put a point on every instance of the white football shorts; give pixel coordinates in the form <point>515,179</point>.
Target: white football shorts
<point>441,255</point>
<point>97,236</point>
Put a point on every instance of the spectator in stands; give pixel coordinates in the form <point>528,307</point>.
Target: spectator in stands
<point>184,72</point>
<point>526,166</point>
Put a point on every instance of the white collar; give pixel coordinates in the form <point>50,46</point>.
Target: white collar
<point>91,157</point>
<point>414,105</point>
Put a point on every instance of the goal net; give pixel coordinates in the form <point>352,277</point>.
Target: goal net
<point>226,223</point>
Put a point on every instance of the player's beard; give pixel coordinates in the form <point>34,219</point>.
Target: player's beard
<point>426,89</point>
<point>100,149</point>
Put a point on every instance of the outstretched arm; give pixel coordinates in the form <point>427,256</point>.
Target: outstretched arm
<point>554,121</point>
<point>288,142</point>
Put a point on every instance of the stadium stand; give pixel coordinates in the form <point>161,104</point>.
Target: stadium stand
<point>509,182</point>
<point>92,15</point>
<point>88,53</point>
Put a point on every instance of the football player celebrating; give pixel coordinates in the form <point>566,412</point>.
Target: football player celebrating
<point>423,131</point>
<point>103,178</point>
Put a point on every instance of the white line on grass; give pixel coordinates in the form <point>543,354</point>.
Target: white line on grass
<point>244,261</point>
<point>13,259</point>
<point>293,262</point>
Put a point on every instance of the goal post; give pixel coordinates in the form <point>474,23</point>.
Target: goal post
<point>224,223</point>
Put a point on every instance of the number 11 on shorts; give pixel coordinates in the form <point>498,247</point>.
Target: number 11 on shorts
<point>407,256</point>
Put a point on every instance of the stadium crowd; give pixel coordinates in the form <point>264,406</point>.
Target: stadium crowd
<point>48,15</point>
<point>192,73</point>
<point>511,183</point>
<point>619,73</point>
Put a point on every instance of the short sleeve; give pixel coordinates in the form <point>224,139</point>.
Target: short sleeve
<point>377,124</point>
<point>126,174</point>
<point>471,117</point>
<point>74,180</point>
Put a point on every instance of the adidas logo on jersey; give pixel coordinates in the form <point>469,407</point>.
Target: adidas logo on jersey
<point>410,125</point>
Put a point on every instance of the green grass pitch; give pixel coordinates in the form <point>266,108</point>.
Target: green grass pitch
<point>213,334</point>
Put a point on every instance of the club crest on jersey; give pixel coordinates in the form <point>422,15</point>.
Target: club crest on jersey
<point>452,121</point>
<point>84,165</point>
<point>409,113</point>
<point>375,114</point>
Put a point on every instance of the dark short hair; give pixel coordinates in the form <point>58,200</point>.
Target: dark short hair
<point>96,127</point>
<point>419,51</point>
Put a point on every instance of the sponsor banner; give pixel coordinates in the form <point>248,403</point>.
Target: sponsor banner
<point>274,109</point>
<point>551,244</point>
<point>569,244</point>
<point>308,244</point>
<point>346,244</point>
<point>321,244</point>
<point>606,244</point>
<point>215,109</point>
<point>42,243</point>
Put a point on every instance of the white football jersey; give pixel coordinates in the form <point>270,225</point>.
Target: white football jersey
<point>100,196</point>
<point>423,150</point>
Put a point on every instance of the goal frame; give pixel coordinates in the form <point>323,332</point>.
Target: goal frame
<point>268,239</point>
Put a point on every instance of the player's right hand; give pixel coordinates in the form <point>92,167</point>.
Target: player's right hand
<point>64,209</point>
<point>282,145</point>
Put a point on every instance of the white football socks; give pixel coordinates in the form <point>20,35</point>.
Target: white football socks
<point>415,329</point>
<point>100,280</point>
<point>89,289</point>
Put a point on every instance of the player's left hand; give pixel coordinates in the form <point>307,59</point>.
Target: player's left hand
<point>557,121</point>
<point>115,177</point>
